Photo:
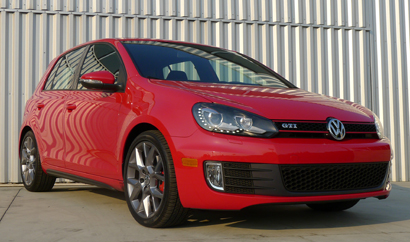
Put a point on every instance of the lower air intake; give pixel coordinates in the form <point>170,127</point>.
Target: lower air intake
<point>333,177</point>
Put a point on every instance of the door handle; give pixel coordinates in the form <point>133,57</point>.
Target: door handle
<point>70,107</point>
<point>40,106</point>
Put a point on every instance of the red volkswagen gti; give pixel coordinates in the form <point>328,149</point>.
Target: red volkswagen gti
<point>178,125</point>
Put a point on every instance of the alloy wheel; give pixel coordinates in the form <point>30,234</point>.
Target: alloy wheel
<point>145,179</point>
<point>28,161</point>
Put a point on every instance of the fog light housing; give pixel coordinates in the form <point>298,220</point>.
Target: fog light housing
<point>214,175</point>
<point>391,154</point>
<point>388,186</point>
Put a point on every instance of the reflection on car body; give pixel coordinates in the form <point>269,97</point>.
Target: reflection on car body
<point>181,126</point>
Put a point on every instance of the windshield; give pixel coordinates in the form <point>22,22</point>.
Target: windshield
<point>196,63</point>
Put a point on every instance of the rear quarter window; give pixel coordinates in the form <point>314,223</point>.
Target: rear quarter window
<point>61,77</point>
<point>50,78</point>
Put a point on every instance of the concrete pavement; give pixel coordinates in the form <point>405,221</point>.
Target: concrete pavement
<point>87,213</point>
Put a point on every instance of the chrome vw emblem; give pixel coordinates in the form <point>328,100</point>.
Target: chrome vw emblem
<point>336,129</point>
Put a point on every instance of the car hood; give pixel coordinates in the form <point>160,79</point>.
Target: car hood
<point>276,103</point>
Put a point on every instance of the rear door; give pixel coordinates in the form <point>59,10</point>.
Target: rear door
<point>51,107</point>
<point>91,132</point>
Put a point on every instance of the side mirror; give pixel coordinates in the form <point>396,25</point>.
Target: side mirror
<point>102,80</point>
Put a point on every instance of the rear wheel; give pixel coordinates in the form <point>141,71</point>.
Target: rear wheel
<point>32,174</point>
<point>333,206</point>
<point>150,184</point>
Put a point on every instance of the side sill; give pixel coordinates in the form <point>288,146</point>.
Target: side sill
<point>60,174</point>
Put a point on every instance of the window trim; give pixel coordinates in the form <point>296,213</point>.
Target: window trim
<point>70,89</point>
<point>122,83</point>
<point>78,71</point>
<point>49,73</point>
<point>74,83</point>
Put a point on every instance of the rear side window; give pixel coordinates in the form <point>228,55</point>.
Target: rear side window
<point>50,78</point>
<point>61,77</point>
<point>101,57</point>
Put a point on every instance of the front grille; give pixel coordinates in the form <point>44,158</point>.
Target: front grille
<point>302,126</point>
<point>322,127</point>
<point>325,135</point>
<point>319,130</point>
<point>360,127</point>
<point>333,177</point>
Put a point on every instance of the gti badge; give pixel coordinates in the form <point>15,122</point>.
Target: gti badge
<point>289,126</point>
<point>336,128</point>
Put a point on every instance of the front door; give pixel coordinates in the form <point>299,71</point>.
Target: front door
<point>91,120</point>
<point>91,132</point>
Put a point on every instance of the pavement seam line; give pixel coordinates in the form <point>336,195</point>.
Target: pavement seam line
<point>10,205</point>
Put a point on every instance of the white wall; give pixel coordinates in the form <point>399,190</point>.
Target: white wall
<point>353,49</point>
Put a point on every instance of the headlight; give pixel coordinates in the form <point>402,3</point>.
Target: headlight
<point>379,126</point>
<point>224,119</point>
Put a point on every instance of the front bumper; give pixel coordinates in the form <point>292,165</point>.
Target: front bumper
<point>203,146</point>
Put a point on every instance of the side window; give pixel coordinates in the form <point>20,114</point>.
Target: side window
<point>50,78</point>
<point>187,67</point>
<point>67,66</point>
<point>101,57</point>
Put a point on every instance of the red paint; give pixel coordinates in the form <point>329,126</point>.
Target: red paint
<point>84,132</point>
<point>103,76</point>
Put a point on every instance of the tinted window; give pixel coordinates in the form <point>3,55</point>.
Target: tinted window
<point>50,78</point>
<point>228,72</point>
<point>66,70</point>
<point>101,58</point>
<point>187,67</point>
<point>189,62</point>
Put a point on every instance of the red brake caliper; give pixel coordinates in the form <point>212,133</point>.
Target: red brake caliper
<point>161,186</point>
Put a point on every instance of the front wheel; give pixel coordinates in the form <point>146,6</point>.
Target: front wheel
<point>333,206</point>
<point>150,183</point>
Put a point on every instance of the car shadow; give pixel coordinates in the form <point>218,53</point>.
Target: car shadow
<point>114,194</point>
<point>93,189</point>
<point>281,217</point>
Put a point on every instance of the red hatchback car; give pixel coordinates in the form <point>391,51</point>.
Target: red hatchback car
<point>179,125</point>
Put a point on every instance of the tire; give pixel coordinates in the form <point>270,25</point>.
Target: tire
<point>150,184</point>
<point>333,206</point>
<point>32,174</point>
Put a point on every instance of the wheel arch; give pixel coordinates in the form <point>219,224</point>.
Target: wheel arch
<point>23,132</point>
<point>135,131</point>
